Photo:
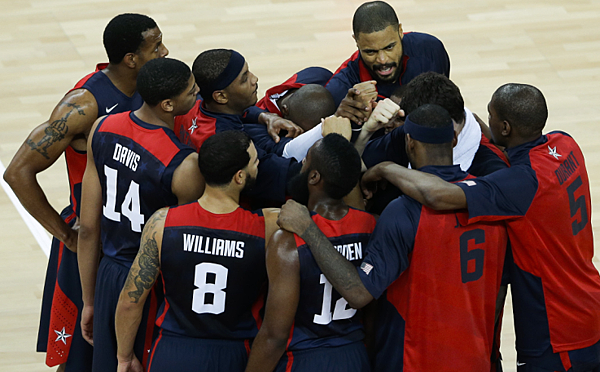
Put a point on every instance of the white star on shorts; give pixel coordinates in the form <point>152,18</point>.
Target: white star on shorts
<point>62,336</point>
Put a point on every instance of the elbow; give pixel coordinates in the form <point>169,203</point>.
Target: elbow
<point>433,200</point>
<point>11,177</point>
<point>360,300</point>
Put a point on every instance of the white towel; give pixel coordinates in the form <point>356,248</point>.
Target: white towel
<point>468,142</point>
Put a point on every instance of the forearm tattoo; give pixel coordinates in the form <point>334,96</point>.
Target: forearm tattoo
<point>55,131</point>
<point>149,267</point>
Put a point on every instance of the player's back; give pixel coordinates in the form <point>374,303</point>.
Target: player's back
<point>323,317</point>
<point>135,163</point>
<point>444,302</point>
<point>556,288</point>
<point>213,268</point>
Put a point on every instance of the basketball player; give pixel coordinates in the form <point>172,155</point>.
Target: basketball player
<point>211,254</point>
<point>545,199</point>
<point>386,57</point>
<point>442,279</point>
<point>304,317</point>
<point>135,166</point>
<point>130,41</point>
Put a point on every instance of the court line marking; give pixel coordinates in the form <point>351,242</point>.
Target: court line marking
<point>37,230</point>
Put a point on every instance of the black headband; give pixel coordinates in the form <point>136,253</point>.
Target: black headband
<point>429,135</point>
<point>225,78</point>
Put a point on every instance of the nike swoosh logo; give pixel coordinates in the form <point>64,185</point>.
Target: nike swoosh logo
<point>108,110</point>
<point>520,364</point>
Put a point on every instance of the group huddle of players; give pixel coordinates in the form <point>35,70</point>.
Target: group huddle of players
<point>155,265</point>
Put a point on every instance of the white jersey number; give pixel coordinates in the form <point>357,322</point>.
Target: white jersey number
<point>219,272</point>
<point>340,311</point>
<point>131,205</point>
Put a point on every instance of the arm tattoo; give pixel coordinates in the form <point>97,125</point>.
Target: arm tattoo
<point>55,132</point>
<point>339,271</point>
<point>149,267</point>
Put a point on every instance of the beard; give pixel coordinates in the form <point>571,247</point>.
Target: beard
<point>250,182</point>
<point>298,188</point>
<point>386,79</point>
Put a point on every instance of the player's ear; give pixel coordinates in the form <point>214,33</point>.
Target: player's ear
<point>167,105</point>
<point>506,128</point>
<point>400,31</point>
<point>285,110</point>
<point>129,60</point>
<point>314,177</point>
<point>238,177</point>
<point>220,97</point>
<point>455,139</point>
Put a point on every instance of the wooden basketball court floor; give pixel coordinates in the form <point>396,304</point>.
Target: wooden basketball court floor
<point>47,45</point>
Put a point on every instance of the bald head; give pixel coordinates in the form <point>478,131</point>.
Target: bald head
<point>523,106</point>
<point>308,105</point>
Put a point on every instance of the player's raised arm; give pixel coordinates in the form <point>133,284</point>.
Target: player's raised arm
<point>283,270</point>
<point>72,118</point>
<point>340,272</point>
<point>140,280</point>
<point>425,188</point>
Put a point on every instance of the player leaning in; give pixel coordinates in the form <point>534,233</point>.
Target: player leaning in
<point>544,197</point>
<point>211,254</point>
<point>130,41</point>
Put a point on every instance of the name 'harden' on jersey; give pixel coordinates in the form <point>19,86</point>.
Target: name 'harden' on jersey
<point>213,268</point>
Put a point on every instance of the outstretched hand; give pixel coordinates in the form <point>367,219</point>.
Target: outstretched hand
<point>294,217</point>
<point>276,123</point>
<point>371,178</point>
<point>383,113</point>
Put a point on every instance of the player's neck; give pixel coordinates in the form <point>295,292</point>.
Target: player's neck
<point>517,141</point>
<point>329,208</point>
<point>122,77</point>
<point>220,200</point>
<point>222,109</point>
<point>155,116</point>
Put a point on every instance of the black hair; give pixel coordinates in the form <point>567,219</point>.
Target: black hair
<point>338,162</point>
<point>523,106</point>
<point>162,78</point>
<point>207,67</point>
<point>431,87</point>
<point>222,155</point>
<point>309,104</point>
<point>123,34</point>
<point>372,17</point>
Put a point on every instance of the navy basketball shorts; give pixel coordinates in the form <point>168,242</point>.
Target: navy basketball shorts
<point>59,334</point>
<point>172,352</point>
<point>109,283</point>
<point>581,360</point>
<point>348,358</point>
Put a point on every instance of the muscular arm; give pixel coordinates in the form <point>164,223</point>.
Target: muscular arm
<point>188,183</point>
<point>70,121</point>
<point>427,189</point>
<point>283,269</point>
<point>89,240</point>
<point>140,280</point>
<point>340,272</point>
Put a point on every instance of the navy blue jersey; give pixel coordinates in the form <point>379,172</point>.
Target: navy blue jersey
<point>323,317</point>
<point>273,170</point>
<point>442,281</point>
<point>421,53</point>
<point>110,100</point>
<point>309,75</point>
<point>545,198</point>
<point>135,163</point>
<point>391,147</point>
<point>213,268</point>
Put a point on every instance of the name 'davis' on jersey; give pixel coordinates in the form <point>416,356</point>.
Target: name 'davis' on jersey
<point>352,251</point>
<point>126,156</point>
<point>213,246</point>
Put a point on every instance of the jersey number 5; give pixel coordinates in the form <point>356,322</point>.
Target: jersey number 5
<point>476,255</point>
<point>576,204</point>
<point>130,207</point>
<point>340,311</point>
